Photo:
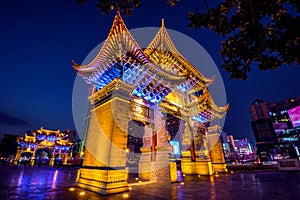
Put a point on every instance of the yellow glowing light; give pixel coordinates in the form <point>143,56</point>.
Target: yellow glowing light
<point>181,183</point>
<point>136,178</point>
<point>127,150</point>
<point>183,174</point>
<point>140,181</point>
<point>171,96</point>
<point>140,101</point>
<point>231,172</point>
<point>216,175</point>
<point>199,175</point>
<point>139,109</point>
<point>72,189</point>
<point>125,195</point>
<point>130,188</point>
<point>54,179</point>
<point>82,193</point>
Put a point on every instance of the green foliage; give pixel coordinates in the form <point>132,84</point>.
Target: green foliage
<point>107,6</point>
<point>255,32</point>
<point>124,6</point>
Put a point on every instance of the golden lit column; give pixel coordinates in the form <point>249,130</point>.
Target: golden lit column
<point>18,156</point>
<point>52,158</point>
<point>66,158</point>
<point>160,165</point>
<point>215,149</point>
<point>33,157</point>
<point>193,164</point>
<point>186,141</point>
<point>141,111</point>
<point>145,159</point>
<point>104,166</point>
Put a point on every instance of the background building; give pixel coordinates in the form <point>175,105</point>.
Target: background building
<point>8,148</point>
<point>225,144</point>
<point>238,149</point>
<point>276,126</point>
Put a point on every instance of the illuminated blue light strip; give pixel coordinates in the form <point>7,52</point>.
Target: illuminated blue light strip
<point>175,147</point>
<point>140,77</point>
<point>200,118</point>
<point>132,73</point>
<point>186,86</point>
<point>149,95</point>
<point>108,75</point>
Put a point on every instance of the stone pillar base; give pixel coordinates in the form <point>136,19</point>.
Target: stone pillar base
<point>144,171</point>
<point>51,163</point>
<point>103,181</point>
<point>144,164</point>
<point>219,167</point>
<point>173,172</point>
<point>160,171</point>
<point>200,167</point>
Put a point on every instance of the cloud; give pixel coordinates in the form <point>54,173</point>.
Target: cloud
<point>11,120</point>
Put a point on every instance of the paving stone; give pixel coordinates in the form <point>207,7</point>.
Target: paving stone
<point>53,183</point>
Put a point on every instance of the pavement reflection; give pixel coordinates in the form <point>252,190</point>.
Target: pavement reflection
<point>25,182</point>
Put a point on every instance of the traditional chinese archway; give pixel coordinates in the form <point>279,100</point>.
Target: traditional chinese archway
<point>156,86</point>
<point>45,145</point>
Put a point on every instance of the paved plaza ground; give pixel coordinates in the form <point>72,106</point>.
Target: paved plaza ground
<point>32,183</point>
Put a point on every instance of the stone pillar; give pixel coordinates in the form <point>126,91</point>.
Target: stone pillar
<point>17,157</point>
<point>201,165</point>
<point>154,162</point>
<point>65,158</point>
<point>51,163</point>
<point>160,165</point>
<point>104,166</point>
<point>145,159</point>
<point>32,160</point>
<point>215,149</point>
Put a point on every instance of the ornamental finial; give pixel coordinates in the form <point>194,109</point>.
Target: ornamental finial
<point>118,10</point>
<point>75,64</point>
<point>162,22</point>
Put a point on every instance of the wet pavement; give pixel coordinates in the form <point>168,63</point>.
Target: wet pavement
<point>25,182</point>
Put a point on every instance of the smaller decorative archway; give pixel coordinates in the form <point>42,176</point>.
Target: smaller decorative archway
<point>47,147</point>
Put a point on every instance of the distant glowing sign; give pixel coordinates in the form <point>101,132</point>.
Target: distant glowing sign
<point>288,164</point>
<point>279,126</point>
<point>294,114</point>
<point>175,148</point>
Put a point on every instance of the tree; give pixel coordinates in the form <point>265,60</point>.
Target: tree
<point>255,32</point>
<point>8,145</point>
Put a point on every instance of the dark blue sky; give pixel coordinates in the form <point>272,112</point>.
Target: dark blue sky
<point>40,38</point>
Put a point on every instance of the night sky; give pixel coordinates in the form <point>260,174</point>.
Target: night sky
<point>40,38</point>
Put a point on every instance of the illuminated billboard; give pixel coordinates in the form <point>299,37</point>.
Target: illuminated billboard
<point>175,148</point>
<point>279,127</point>
<point>294,114</point>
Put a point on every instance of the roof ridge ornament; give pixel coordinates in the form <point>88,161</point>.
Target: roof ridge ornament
<point>118,25</point>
